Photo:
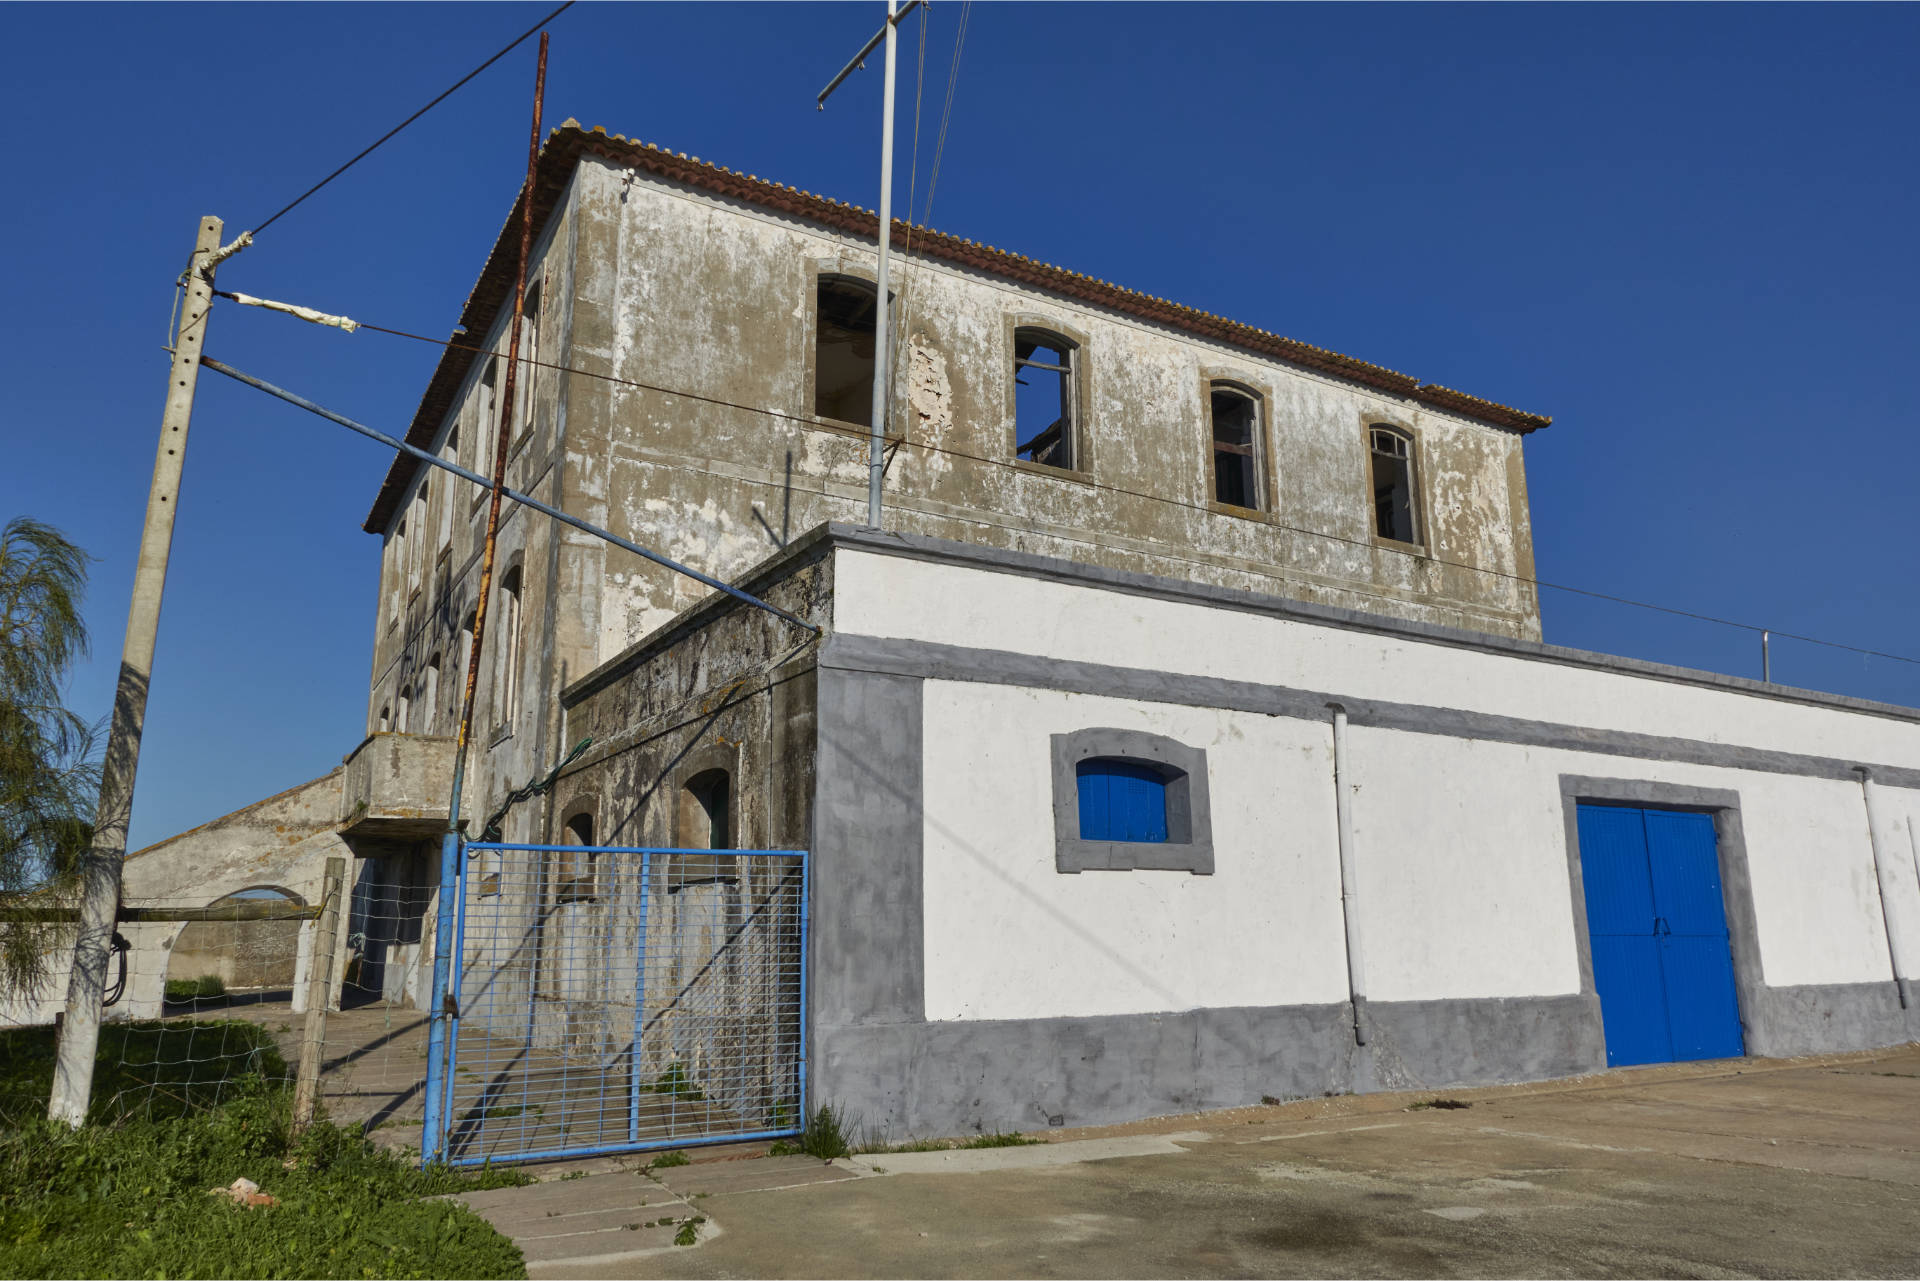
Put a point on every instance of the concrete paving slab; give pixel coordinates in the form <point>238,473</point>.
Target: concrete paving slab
<point>1527,1182</point>
<point>737,1177</point>
<point>1032,1157</point>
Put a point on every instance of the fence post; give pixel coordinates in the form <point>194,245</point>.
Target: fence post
<point>320,967</point>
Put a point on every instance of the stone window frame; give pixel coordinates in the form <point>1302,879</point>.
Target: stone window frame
<point>1265,466</point>
<point>810,354</point>
<point>1081,450</point>
<point>1189,847</point>
<point>1416,464</point>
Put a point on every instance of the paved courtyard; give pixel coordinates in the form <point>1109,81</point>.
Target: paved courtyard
<point>1739,1168</point>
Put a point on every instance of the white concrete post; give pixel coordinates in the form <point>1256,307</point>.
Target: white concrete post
<point>100,890</point>
<point>320,968</point>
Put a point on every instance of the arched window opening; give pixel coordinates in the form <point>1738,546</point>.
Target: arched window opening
<point>843,350</point>
<point>1236,445</point>
<point>430,696</point>
<point>707,818</point>
<point>574,875</point>
<point>1126,800</point>
<point>461,659</point>
<point>1394,514</point>
<point>510,646</point>
<point>385,722</point>
<point>1044,412</point>
<point>405,703</point>
<point>529,355</point>
<point>489,424</point>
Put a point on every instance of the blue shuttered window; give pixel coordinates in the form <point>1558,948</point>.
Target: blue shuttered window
<point>1122,800</point>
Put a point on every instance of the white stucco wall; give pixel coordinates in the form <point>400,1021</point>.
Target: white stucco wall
<point>1460,844</point>
<point>889,596</point>
<point>1009,937</point>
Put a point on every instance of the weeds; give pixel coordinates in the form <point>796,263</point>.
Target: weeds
<point>1443,1104</point>
<point>668,1160</point>
<point>689,1233</point>
<point>823,1138</point>
<point>131,1200</point>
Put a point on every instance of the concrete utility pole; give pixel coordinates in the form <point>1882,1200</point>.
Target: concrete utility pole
<point>100,887</point>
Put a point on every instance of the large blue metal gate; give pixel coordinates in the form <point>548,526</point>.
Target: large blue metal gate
<point>1657,926</point>
<point>614,999</point>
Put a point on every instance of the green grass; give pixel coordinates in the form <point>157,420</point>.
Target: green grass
<point>130,1198</point>
<point>153,1069</point>
<point>205,988</point>
<point>667,1160</point>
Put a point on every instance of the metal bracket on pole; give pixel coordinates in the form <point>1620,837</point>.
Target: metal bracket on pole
<point>100,889</point>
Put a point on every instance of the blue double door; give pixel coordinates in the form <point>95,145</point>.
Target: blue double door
<point>1657,925</point>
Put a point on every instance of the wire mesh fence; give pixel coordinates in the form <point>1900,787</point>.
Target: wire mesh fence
<point>618,999</point>
<point>198,1008</point>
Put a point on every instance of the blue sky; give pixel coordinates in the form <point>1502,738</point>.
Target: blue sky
<point>1685,232</point>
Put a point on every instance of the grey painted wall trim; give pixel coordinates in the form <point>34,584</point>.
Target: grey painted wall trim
<point>1736,883</point>
<point>1054,569</point>
<point>1189,843</point>
<point>868,944</point>
<point>951,1077</point>
<point>999,667</point>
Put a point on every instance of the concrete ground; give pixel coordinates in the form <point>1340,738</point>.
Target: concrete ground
<point>1740,1168</point>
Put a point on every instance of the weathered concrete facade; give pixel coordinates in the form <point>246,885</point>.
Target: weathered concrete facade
<point>689,298</point>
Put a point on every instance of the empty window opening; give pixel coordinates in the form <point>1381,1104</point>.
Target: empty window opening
<point>430,696</point>
<point>574,869</point>
<point>1122,800</point>
<point>1393,509</point>
<point>405,703</point>
<point>843,350</point>
<point>385,722</point>
<point>461,661</point>
<point>1043,398</point>
<point>510,645</point>
<point>706,823</point>
<point>529,355</point>
<point>1236,434</point>
<point>488,428</point>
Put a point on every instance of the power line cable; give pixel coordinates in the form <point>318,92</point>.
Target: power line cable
<point>812,424</point>
<point>383,138</point>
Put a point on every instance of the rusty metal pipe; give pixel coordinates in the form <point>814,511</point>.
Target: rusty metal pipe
<point>433,1124</point>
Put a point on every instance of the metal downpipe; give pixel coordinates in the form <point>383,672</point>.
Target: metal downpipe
<point>1349,903</point>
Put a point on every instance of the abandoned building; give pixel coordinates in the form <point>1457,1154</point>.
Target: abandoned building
<point>1185,736</point>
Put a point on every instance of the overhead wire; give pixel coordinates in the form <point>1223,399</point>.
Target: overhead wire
<point>442,97</point>
<point>862,434</point>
